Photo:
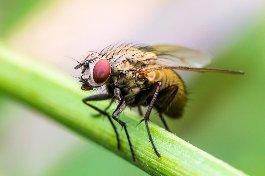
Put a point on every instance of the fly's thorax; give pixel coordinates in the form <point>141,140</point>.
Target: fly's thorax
<point>131,58</point>
<point>128,83</point>
<point>124,68</point>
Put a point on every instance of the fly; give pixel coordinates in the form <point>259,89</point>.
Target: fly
<point>137,76</point>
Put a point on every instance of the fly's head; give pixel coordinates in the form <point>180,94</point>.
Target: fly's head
<point>95,71</point>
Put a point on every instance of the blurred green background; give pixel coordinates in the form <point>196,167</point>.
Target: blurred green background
<point>225,115</point>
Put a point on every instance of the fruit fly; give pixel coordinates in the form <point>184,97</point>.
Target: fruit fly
<point>137,76</point>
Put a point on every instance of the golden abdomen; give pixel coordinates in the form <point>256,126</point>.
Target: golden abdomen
<point>172,96</point>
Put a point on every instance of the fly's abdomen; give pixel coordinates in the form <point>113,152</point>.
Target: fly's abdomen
<point>172,97</point>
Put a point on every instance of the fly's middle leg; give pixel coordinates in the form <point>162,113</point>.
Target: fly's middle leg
<point>121,106</point>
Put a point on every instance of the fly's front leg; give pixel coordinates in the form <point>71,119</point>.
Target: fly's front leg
<point>121,106</point>
<point>98,98</point>
<point>147,115</point>
<point>112,100</point>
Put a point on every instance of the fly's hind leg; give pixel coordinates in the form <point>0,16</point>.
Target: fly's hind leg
<point>147,115</point>
<point>98,98</point>
<point>164,121</point>
<point>140,111</point>
<point>165,97</point>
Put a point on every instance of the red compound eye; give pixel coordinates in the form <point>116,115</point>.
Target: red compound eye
<point>101,71</point>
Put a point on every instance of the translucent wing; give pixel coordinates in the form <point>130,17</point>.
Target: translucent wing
<point>171,55</point>
<point>181,58</point>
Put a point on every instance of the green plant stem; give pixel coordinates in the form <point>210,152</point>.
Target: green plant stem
<point>59,97</point>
